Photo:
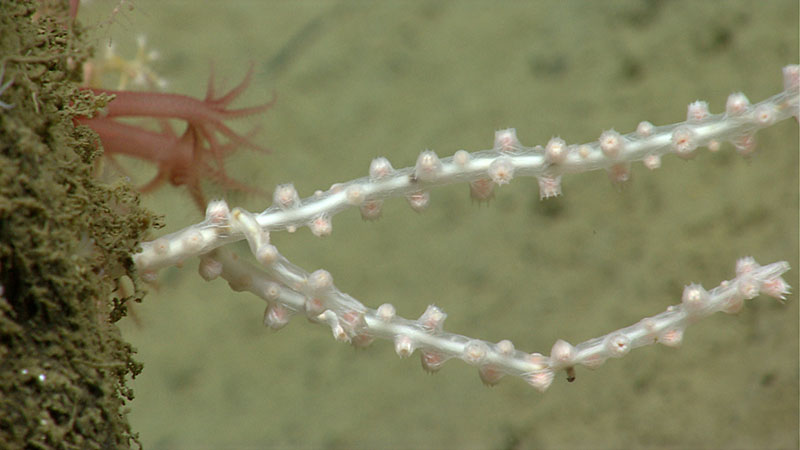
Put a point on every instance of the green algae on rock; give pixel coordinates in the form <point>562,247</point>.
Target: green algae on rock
<point>65,245</point>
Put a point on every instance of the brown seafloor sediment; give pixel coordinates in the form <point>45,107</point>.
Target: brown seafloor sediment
<point>65,245</point>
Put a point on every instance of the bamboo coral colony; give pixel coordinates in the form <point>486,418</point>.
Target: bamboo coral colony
<point>288,289</point>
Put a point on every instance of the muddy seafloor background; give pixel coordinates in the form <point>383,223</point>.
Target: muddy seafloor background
<point>356,81</point>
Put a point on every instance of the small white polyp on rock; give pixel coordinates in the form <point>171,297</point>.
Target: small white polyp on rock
<point>541,377</point>
<point>490,375</point>
<point>354,194</point>
<point>736,104</point>
<point>217,212</point>
<point>697,111</point>
<point>765,115</point>
<point>192,241</point>
<point>371,209</point>
<point>321,226</point>
<point>501,170</point>
<point>320,281</point>
<point>617,345</point>
<point>404,346</point>
<point>644,129</point>
<point>276,316</point>
<point>461,158</point>
<point>380,168</point>
<point>556,151</point>
<point>549,186</point>
<point>505,347</point>
<point>271,291</point>
<point>386,312</point>
<point>428,166</point>
<point>209,268</point>
<point>684,141</point>
<point>419,201</point>
<point>432,361</point>
<point>481,190</point>
<point>694,299</point>
<point>562,353</point>
<point>672,337</point>
<point>506,140</point>
<point>652,162</point>
<point>432,319</point>
<point>286,196</point>
<point>611,143</point>
<point>475,352</point>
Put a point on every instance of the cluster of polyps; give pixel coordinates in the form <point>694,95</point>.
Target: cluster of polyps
<point>289,289</point>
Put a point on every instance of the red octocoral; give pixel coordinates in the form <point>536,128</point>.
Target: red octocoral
<point>187,159</point>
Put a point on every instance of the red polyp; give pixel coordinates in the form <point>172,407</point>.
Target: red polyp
<point>187,159</point>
